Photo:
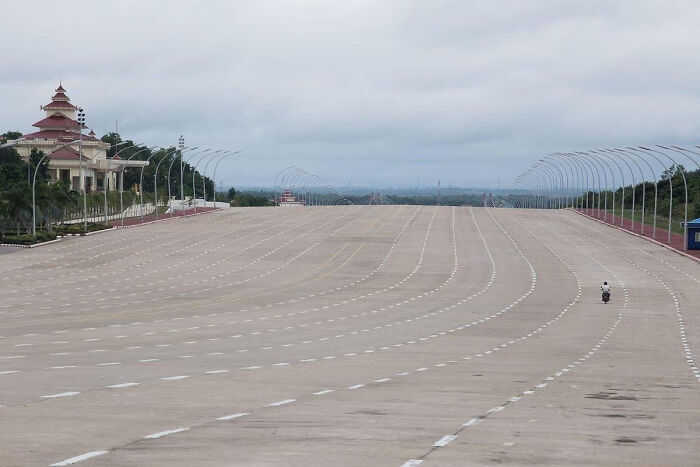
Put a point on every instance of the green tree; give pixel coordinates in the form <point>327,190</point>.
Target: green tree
<point>19,204</point>
<point>10,135</point>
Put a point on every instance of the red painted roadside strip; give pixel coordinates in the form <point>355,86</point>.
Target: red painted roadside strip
<point>669,247</point>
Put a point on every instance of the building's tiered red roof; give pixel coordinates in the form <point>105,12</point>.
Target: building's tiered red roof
<point>59,105</point>
<point>58,134</point>
<point>65,153</point>
<point>57,120</point>
<point>59,126</point>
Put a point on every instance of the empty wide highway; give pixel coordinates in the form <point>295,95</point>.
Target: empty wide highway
<point>353,335</point>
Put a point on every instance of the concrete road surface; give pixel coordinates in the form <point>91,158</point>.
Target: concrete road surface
<point>351,336</point>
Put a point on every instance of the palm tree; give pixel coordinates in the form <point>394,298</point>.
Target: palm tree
<point>19,203</point>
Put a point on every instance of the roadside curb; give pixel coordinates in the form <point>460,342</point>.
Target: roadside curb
<point>97,231</point>
<point>114,227</point>
<point>165,218</point>
<point>668,247</point>
<point>31,246</point>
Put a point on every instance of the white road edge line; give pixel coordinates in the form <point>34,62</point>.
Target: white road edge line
<point>123,385</point>
<point>62,394</point>
<point>165,433</point>
<point>79,458</point>
<point>236,415</point>
<point>444,441</point>
<point>276,404</point>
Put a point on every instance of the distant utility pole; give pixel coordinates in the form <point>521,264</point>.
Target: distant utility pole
<point>181,146</point>
<point>438,194</point>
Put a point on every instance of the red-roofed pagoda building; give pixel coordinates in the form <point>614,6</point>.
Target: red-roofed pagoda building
<point>59,127</point>
<point>288,199</point>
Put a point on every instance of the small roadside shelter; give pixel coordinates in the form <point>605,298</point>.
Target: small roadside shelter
<point>693,240</point>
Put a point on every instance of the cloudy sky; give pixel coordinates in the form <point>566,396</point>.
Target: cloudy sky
<point>371,93</point>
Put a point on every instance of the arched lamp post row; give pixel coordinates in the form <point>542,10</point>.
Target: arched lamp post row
<point>292,180</point>
<point>216,166</point>
<point>545,183</point>
<point>634,156</point>
<point>585,181</point>
<point>683,152</point>
<point>528,200</point>
<point>304,177</point>
<point>204,175</point>
<point>225,154</point>
<point>194,172</point>
<point>532,189</point>
<point>554,171</point>
<point>685,184</point>
<point>141,209</point>
<point>283,174</point>
<point>535,190</point>
<point>541,189</point>
<point>642,155</point>
<point>179,156</point>
<point>295,183</point>
<point>577,178</point>
<point>603,161</point>
<point>310,184</point>
<point>286,177</point>
<point>317,198</point>
<point>521,199</point>
<point>547,186</point>
<point>304,183</point>
<point>595,177</point>
<point>104,184</point>
<point>155,177</point>
<point>530,193</point>
<point>36,170</point>
<point>562,185</point>
<point>121,178</point>
<point>595,164</point>
<point>634,183</point>
<point>190,159</point>
<point>182,173</point>
<point>678,148</point>
<point>314,195</point>
<point>554,160</point>
<point>575,183</point>
<point>529,190</point>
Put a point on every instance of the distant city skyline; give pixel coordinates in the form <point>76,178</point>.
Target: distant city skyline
<point>371,93</point>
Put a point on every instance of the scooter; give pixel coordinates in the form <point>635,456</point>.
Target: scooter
<point>606,297</point>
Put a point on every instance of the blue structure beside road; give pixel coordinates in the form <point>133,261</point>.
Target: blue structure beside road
<point>693,239</point>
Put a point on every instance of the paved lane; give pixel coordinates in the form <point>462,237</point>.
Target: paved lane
<point>376,335</point>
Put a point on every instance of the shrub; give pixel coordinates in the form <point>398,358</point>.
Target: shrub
<point>18,239</point>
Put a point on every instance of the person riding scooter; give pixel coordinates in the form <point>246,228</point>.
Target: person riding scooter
<point>606,292</point>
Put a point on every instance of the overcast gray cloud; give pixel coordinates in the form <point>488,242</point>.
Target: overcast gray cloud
<point>368,92</point>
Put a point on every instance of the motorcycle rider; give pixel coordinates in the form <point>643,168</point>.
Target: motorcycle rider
<point>606,289</point>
